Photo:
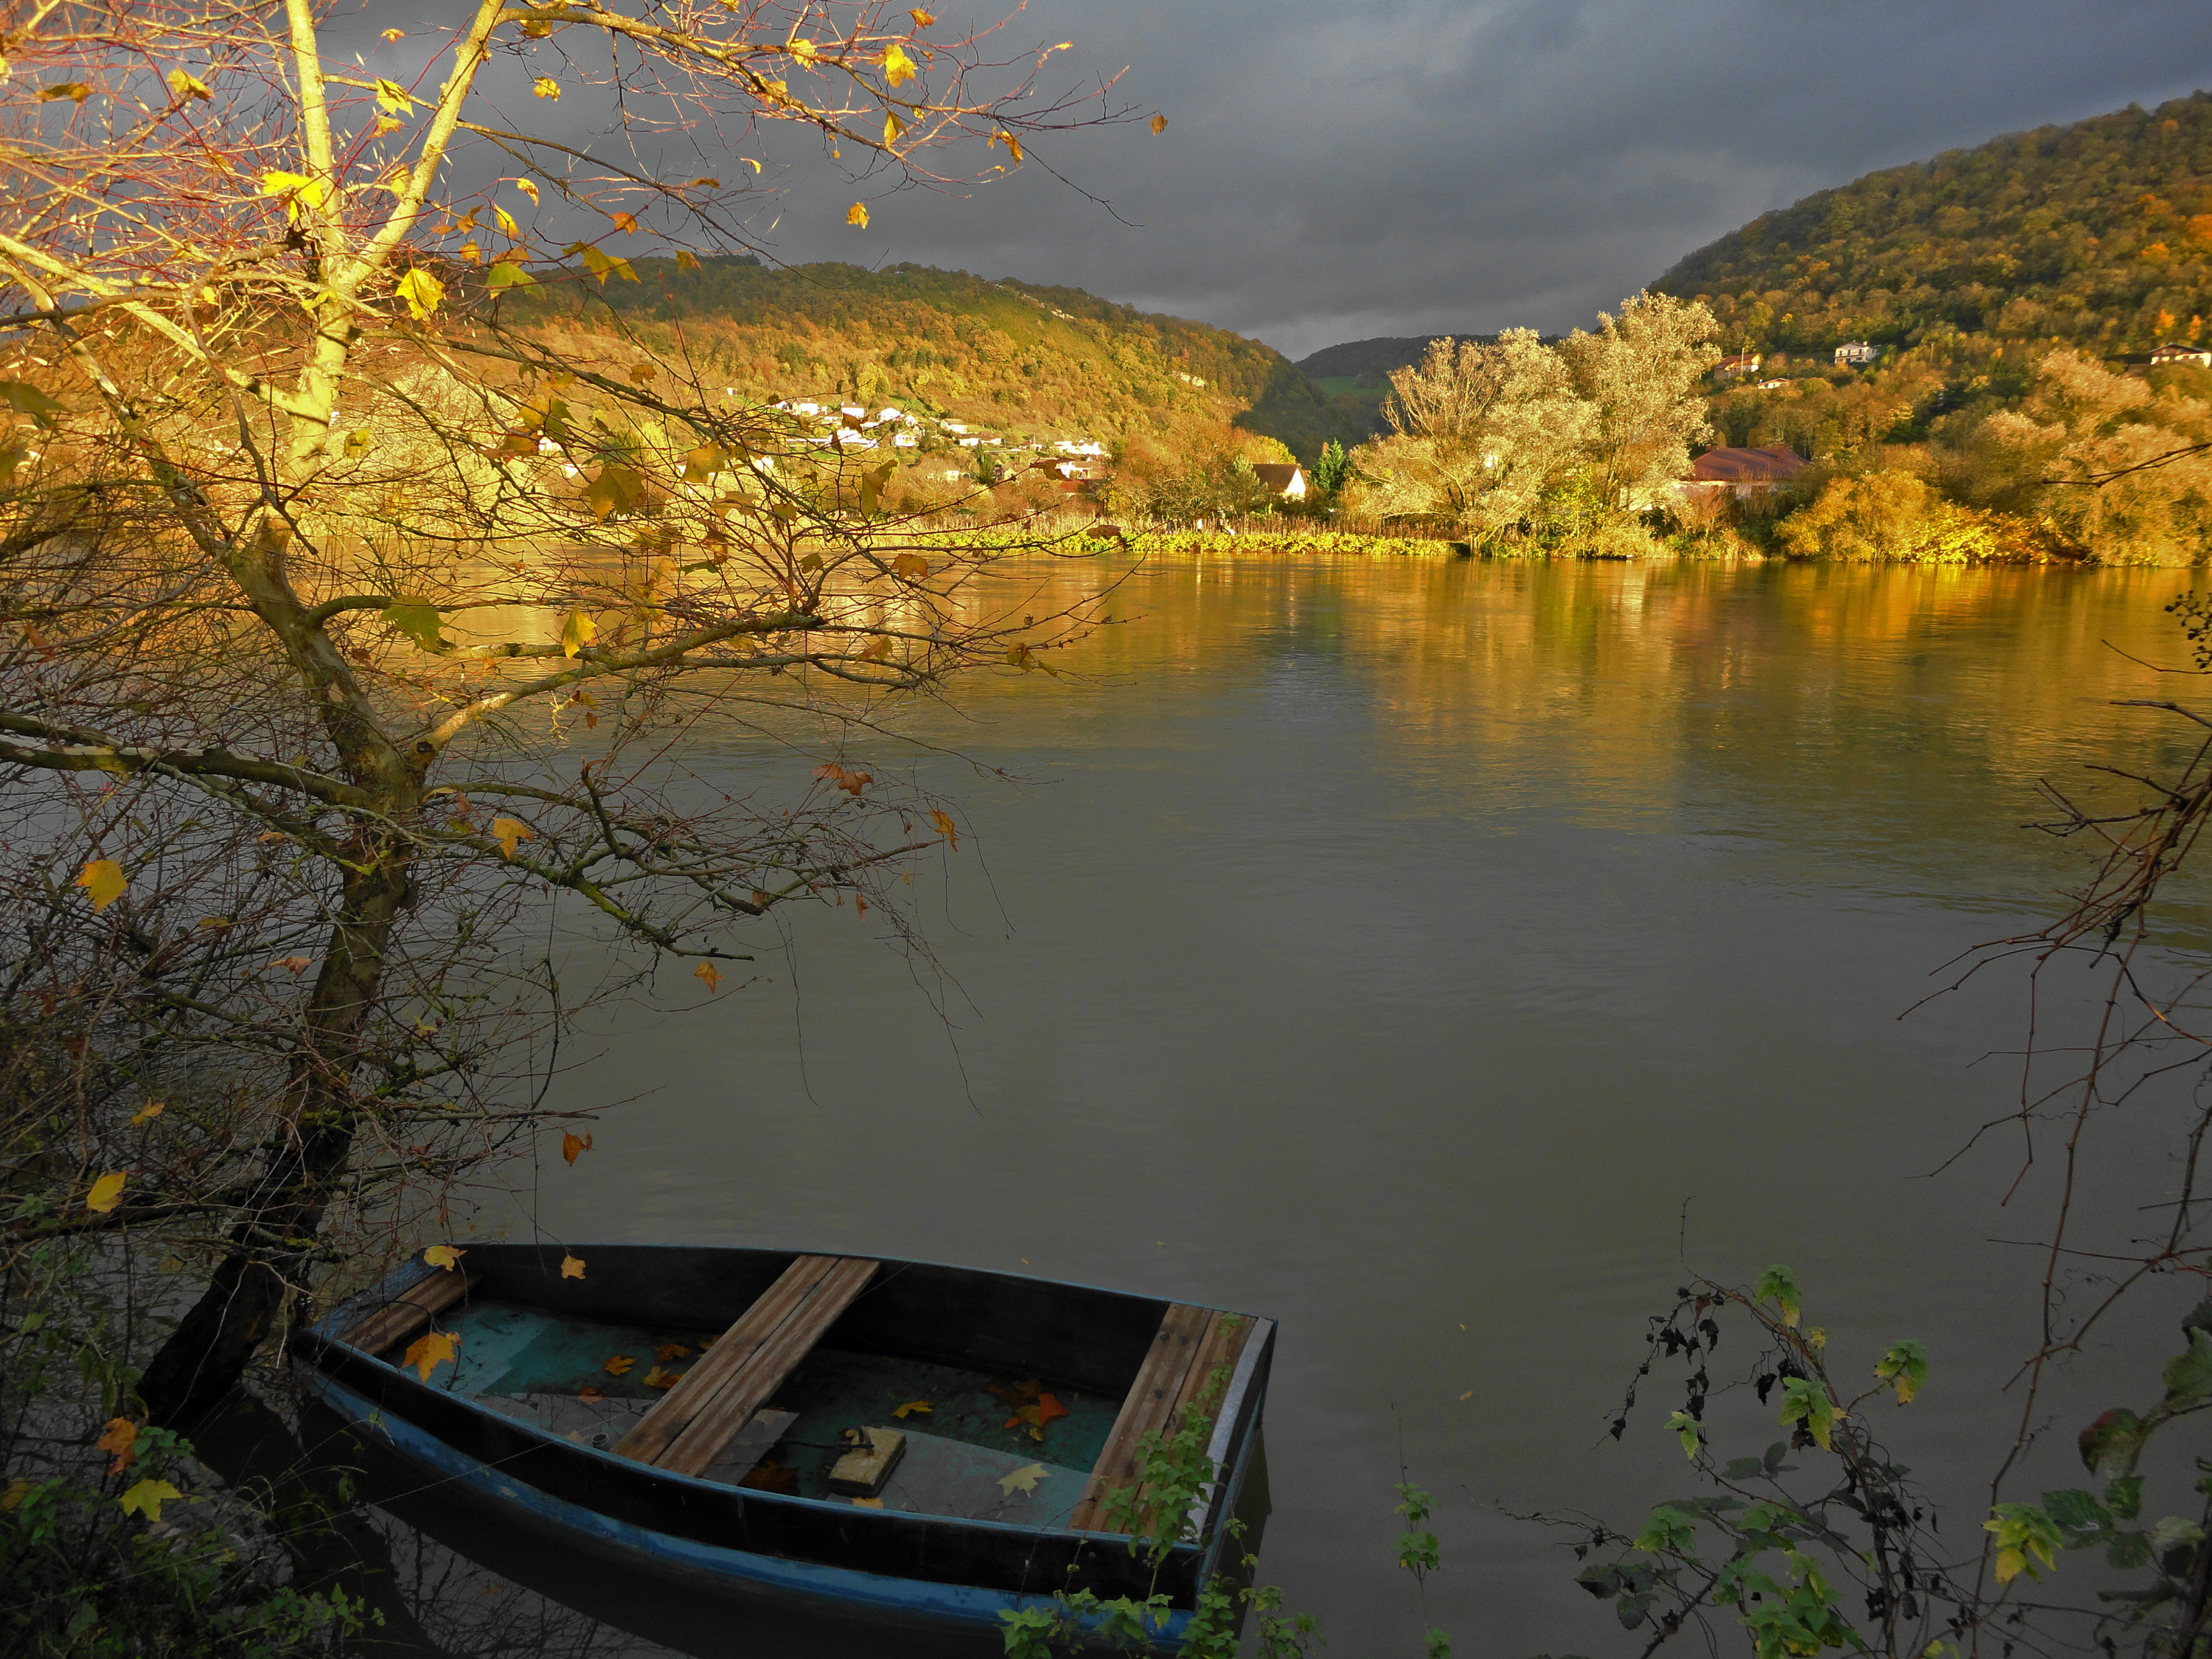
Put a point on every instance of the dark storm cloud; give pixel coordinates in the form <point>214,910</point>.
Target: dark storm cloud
<point>1336,170</point>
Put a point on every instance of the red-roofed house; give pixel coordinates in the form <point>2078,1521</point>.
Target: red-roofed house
<point>1745,471</point>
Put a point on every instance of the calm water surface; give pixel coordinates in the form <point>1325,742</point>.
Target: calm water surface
<point>1395,949</point>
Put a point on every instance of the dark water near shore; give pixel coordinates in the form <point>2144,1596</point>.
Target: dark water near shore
<point>1397,950</point>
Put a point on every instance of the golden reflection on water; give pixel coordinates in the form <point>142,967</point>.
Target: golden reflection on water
<point>1912,692</point>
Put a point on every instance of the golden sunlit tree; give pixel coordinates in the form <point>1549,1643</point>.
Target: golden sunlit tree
<point>352,610</point>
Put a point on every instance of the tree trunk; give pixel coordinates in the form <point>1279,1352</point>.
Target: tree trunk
<point>271,1247</point>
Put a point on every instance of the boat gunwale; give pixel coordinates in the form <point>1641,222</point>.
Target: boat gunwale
<point>406,1276</point>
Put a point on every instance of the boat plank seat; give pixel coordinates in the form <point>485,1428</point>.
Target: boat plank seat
<point>1191,1358</point>
<point>413,1308</point>
<point>689,1427</point>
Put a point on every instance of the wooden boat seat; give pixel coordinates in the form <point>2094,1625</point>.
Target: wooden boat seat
<point>412,1309</point>
<point>690,1425</point>
<point>1191,1357</point>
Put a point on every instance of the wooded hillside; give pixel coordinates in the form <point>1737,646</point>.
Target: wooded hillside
<point>1007,356</point>
<point>2099,234</point>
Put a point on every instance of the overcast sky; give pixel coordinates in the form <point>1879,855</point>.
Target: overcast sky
<point>1335,171</point>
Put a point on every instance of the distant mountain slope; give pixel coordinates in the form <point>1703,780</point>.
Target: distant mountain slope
<point>1370,360</point>
<point>2100,233</point>
<point>1007,356</point>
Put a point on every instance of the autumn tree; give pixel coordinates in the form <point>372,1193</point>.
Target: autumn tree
<point>350,618</point>
<point>2110,463</point>
<point>1479,431</point>
<point>1637,376</point>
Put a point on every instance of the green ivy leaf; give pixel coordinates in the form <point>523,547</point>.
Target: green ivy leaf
<point>1904,1368</point>
<point>2188,1375</point>
<point>1778,1284</point>
<point>416,618</point>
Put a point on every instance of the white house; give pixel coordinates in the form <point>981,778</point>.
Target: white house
<point>1285,482</point>
<point>2173,353</point>
<point>1855,353</point>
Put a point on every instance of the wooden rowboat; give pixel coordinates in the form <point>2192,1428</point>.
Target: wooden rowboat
<point>685,1412</point>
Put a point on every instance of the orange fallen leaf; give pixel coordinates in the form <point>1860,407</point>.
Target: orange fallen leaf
<point>851,782</point>
<point>431,1350</point>
<point>572,1267</point>
<point>121,1438</point>
<point>590,1391</point>
<point>659,1378</point>
<point>708,976</point>
<point>668,1351</point>
<point>509,831</point>
<point>152,1108</point>
<point>946,828</point>
<point>444,1255</point>
<point>910,1406</point>
<point>293,965</point>
<point>573,1144</point>
<point>868,1503</point>
<point>1469,1395</point>
<point>620,1365</point>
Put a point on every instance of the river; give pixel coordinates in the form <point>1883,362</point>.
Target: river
<point>1432,955</point>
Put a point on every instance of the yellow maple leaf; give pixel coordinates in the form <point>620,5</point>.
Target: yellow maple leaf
<point>546,87</point>
<point>708,976</point>
<point>1024,1479</point>
<point>643,373</point>
<point>1159,125</point>
<point>620,1365</point>
<point>106,1192</point>
<point>395,34</point>
<point>686,259</point>
<point>857,214</point>
<point>152,1108</point>
<point>431,1350</point>
<point>922,20</point>
<point>659,1378</point>
<point>183,85</point>
<point>147,1498</point>
<point>528,188</point>
<point>444,1255</point>
<point>103,878</point>
<point>572,1267</point>
<point>577,631</point>
<point>892,127</point>
<point>508,831</point>
<point>422,291</point>
<point>668,1351</point>
<point>299,192</point>
<point>573,1144</point>
<point>1014,144</point>
<point>391,98</point>
<point>942,822</point>
<point>912,1405</point>
<point>898,67</point>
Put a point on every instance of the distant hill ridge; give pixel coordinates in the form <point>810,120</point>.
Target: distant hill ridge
<point>1373,360</point>
<point>2099,233</point>
<point>1008,357</point>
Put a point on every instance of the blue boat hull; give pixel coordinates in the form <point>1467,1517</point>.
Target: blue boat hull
<point>921,1572</point>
